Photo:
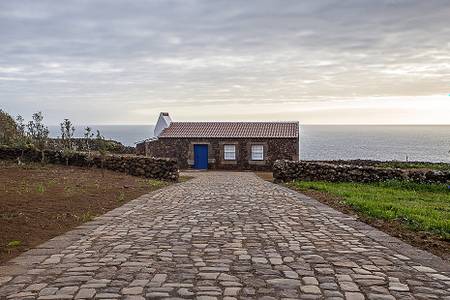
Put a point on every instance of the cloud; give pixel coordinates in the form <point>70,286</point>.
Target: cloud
<point>151,55</point>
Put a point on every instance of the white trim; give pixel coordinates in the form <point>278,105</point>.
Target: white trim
<point>257,152</point>
<point>229,152</point>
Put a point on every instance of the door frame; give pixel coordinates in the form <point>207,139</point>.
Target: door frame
<point>204,159</point>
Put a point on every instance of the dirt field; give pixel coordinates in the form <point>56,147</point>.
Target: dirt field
<point>38,203</point>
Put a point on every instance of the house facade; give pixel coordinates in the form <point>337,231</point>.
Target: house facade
<point>223,145</point>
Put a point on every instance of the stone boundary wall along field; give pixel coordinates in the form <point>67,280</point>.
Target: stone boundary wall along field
<point>80,144</point>
<point>286,170</point>
<point>149,167</point>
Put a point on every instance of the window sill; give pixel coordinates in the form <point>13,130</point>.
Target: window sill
<point>229,162</point>
<point>257,162</point>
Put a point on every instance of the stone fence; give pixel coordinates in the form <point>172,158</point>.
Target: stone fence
<point>81,144</point>
<point>149,167</point>
<point>286,170</point>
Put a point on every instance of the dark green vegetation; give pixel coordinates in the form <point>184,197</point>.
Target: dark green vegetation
<point>35,134</point>
<point>421,207</point>
<point>414,165</point>
<point>405,165</point>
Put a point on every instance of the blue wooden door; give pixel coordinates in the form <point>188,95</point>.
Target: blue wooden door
<point>200,156</point>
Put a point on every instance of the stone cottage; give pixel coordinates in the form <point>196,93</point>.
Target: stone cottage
<point>223,145</point>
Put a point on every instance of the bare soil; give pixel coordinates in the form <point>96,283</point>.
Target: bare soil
<point>268,176</point>
<point>38,203</point>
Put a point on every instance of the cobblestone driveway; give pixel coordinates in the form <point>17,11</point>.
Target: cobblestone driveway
<point>225,236</point>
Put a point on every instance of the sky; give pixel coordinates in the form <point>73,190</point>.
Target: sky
<point>318,61</point>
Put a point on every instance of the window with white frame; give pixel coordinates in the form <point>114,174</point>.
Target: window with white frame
<point>257,152</point>
<point>229,152</point>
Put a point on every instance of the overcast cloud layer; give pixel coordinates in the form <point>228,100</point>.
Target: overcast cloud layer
<point>330,61</point>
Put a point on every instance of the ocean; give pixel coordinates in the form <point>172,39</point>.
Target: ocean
<point>325,142</point>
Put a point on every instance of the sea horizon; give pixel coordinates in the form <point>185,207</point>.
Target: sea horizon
<point>330,142</point>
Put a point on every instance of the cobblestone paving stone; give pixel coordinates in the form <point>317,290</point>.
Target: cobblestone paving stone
<point>225,236</point>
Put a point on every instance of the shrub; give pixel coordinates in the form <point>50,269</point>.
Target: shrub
<point>9,131</point>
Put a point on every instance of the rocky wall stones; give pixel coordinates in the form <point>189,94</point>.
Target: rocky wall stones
<point>286,170</point>
<point>181,149</point>
<point>80,144</point>
<point>149,167</point>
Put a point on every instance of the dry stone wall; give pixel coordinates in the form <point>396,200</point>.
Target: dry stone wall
<point>286,170</point>
<point>149,167</point>
<point>80,144</point>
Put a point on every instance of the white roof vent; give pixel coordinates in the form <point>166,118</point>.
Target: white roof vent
<point>164,121</point>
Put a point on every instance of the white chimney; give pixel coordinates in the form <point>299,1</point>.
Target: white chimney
<point>164,121</point>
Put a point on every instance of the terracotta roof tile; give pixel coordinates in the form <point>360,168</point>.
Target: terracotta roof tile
<point>231,130</point>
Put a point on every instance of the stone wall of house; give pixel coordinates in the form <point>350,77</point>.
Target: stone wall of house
<point>182,149</point>
<point>149,167</point>
<point>140,148</point>
<point>286,170</point>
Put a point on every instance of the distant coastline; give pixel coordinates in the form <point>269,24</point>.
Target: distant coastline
<point>331,142</point>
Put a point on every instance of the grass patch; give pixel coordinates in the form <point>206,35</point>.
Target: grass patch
<point>14,243</point>
<point>414,165</point>
<point>154,183</point>
<point>86,217</point>
<point>421,207</point>
<point>40,188</point>
<point>184,178</point>
<point>121,197</point>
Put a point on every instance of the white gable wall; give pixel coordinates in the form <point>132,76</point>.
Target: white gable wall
<point>164,121</point>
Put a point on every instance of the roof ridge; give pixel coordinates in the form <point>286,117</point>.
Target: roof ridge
<point>232,129</point>
<point>241,122</point>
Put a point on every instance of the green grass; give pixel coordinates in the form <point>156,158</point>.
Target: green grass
<point>419,206</point>
<point>121,197</point>
<point>156,183</point>
<point>86,217</point>
<point>40,188</point>
<point>14,243</point>
<point>414,165</point>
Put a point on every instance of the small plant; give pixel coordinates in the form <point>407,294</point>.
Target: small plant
<point>86,217</point>
<point>88,135</point>
<point>51,182</point>
<point>38,133</point>
<point>23,187</point>
<point>40,188</point>
<point>155,183</point>
<point>67,154</point>
<point>8,216</point>
<point>14,243</point>
<point>22,141</point>
<point>121,197</point>
<point>103,148</point>
<point>67,132</point>
<point>68,190</point>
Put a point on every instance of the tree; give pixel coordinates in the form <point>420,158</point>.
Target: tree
<point>103,148</point>
<point>20,123</point>
<point>22,140</point>
<point>67,132</point>
<point>88,135</point>
<point>38,133</point>
<point>8,129</point>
